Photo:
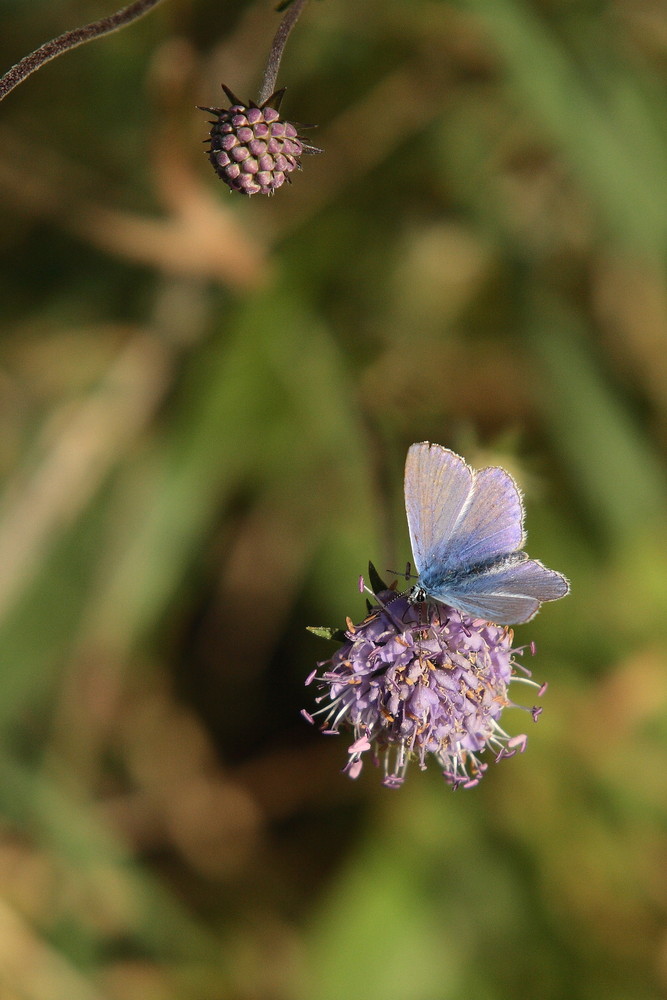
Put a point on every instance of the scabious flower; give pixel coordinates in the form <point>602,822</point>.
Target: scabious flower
<point>414,681</point>
<point>253,150</point>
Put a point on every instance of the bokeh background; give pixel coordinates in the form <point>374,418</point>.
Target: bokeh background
<point>205,404</point>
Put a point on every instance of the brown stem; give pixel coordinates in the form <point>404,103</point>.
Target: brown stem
<point>70,40</point>
<point>276,53</point>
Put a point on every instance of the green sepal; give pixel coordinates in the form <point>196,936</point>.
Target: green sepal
<point>375,580</point>
<point>326,632</point>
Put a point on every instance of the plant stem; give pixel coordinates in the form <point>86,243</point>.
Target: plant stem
<point>70,40</point>
<point>277,48</point>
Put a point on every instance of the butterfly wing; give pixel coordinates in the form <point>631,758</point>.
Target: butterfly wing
<point>458,517</point>
<point>438,485</point>
<point>508,593</point>
<point>491,523</point>
<point>466,530</point>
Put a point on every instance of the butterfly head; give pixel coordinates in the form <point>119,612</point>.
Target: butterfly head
<point>417,595</point>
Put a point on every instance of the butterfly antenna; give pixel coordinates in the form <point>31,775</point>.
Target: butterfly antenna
<point>406,574</point>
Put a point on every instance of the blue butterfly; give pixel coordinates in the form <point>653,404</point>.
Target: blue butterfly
<point>466,530</point>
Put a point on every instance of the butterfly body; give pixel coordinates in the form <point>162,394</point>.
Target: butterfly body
<point>466,529</point>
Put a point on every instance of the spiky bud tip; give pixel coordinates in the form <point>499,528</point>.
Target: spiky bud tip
<point>252,149</point>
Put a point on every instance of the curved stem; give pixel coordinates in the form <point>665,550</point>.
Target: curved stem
<point>277,48</point>
<point>70,40</point>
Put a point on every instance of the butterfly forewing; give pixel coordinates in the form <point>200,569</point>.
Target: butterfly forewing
<point>491,524</point>
<point>438,485</point>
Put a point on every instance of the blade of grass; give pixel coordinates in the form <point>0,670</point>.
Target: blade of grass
<point>621,160</point>
<point>620,477</point>
<point>41,807</point>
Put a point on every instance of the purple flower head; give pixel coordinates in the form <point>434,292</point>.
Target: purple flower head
<point>419,681</point>
<point>252,149</point>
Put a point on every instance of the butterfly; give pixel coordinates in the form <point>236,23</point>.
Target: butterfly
<point>466,530</point>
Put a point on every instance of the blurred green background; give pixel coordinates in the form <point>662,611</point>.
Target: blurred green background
<point>205,404</point>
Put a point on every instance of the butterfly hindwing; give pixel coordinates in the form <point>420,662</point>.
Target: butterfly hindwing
<point>509,592</point>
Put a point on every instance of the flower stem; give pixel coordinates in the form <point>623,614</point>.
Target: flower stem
<point>70,40</point>
<point>277,49</point>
